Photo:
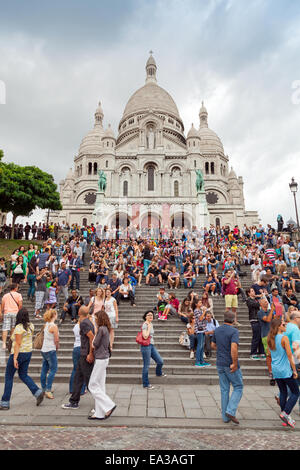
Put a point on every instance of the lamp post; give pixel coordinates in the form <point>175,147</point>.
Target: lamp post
<point>294,189</point>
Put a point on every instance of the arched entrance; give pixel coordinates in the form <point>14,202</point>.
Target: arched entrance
<point>150,220</point>
<point>120,220</point>
<point>180,220</point>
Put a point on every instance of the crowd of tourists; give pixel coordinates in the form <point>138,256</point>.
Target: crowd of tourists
<point>120,262</point>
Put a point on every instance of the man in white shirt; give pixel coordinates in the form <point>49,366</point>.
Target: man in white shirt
<point>78,250</point>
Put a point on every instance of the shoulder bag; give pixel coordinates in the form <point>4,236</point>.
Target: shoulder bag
<point>141,340</point>
<point>39,339</point>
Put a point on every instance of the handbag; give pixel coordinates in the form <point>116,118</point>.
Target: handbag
<point>39,339</point>
<point>184,339</point>
<point>18,270</point>
<point>9,343</point>
<point>141,340</point>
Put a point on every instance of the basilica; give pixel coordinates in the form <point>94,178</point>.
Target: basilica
<point>151,170</point>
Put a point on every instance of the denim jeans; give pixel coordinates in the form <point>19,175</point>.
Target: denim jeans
<point>75,357</point>
<point>72,310</point>
<point>185,281</point>
<point>76,277</point>
<point>210,267</point>
<point>218,289</point>
<point>256,343</point>
<point>149,352</point>
<point>178,263</point>
<point>289,393</point>
<point>49,365</point>
<point>23,361</point>
<point>200,348</point>
<point>193,342</point>
<point>31,281</point>
<point>229,404</point>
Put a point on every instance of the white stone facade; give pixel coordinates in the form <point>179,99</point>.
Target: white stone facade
<point>151,169</point>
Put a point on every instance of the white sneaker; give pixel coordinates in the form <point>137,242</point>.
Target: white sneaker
<point>192,355</point>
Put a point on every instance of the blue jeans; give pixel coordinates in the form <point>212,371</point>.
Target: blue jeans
<point>229,404</point>
<point>210,267</point>
<point>76,277</point>
<point>75,357</point>
<point>200,348</point>
<point>178,263</point>
<point>289,393</point>
<point>23,361</point>
<point>186,283</point>
<point>31,281</point>
<point>149,352</point>
<point>49,365</point>
<point>193,342</point>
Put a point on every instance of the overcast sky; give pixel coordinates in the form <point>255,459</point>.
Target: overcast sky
<point>59,58</point>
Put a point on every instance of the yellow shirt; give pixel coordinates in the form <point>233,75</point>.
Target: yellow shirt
<point>26,343</point>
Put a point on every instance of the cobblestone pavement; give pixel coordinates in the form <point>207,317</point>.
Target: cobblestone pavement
<point>122,438</point>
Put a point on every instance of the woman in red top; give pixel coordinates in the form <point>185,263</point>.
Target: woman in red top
<point>170,309</point>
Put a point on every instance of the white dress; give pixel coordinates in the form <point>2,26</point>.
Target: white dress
<point>109,306</point>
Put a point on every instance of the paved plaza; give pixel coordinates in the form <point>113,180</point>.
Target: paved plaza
<point>169,418</point>
<point>167,406</point>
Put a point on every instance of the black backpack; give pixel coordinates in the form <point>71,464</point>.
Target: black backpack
<point>153,281</point>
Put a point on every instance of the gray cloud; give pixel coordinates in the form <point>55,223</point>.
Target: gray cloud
<point>240,57</point>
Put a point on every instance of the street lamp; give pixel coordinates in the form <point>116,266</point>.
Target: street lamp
<point>294,189</point>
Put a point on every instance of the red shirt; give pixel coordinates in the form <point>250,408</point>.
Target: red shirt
<point>231,288</point>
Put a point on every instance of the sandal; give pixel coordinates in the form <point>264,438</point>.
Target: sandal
<point>95,417</point>
<point>110,412</point>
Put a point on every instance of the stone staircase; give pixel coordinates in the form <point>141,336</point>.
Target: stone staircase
<point>125,365</point>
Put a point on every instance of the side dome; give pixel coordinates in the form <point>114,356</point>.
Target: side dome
<point>91,143</point>
<point>193,133</point>
<point>210,142</point>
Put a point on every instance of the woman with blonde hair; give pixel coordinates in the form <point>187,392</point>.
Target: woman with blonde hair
<point>104,406</point>
<point>49,348</point>
<point>19,360</point>
<point>283,369</point>
<point>96,303</point>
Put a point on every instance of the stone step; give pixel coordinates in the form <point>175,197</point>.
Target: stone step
<point>169,380</point>
<point>126,361</point>
<point>118,359</point>
<point>169,369</point>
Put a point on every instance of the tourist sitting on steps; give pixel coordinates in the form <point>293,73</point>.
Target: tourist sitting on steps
<point>153,273</point>
<point>185,310</point>
<point>170,309</point>
<point>126,292</point>
<point>71,307</point>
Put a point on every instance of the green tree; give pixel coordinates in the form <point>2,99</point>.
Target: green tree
<point>25,188</point>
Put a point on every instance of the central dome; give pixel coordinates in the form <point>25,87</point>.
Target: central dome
<point>151,96</point>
